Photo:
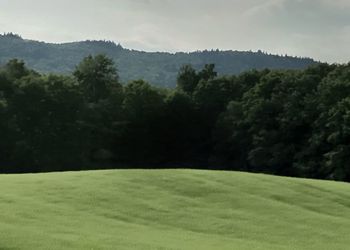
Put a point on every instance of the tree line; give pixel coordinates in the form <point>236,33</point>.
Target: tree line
<point>284,122</point>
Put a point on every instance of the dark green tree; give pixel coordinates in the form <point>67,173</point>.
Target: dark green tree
<point>143,106</point>
<point>97,75</point>
<point>208,72</point>
<point>16,69</point>
<point>187,79</point>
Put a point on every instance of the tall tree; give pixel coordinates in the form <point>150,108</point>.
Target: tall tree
<point>187,79</point>
<point>208,72</point>
<point>97,75</point>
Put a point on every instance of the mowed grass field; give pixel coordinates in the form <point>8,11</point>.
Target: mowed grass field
<point>172,209</point>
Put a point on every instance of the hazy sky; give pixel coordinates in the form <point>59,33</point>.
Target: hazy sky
<point>314,28</point>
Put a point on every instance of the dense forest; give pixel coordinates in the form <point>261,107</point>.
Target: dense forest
<point>157,68</point>
<point>284,122</point>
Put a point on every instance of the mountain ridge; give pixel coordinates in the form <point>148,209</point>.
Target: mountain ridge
<point>159,68</point>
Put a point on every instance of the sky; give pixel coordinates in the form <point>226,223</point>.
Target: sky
<point>310,28</point>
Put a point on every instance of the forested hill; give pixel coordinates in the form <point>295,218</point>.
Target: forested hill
<point>159,68</point>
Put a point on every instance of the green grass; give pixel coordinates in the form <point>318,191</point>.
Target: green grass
<point>172,209</point>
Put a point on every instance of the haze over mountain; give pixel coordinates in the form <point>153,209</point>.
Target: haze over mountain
<point>159,68</point>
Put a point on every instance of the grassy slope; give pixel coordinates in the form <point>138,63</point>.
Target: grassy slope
<point>172,210</point>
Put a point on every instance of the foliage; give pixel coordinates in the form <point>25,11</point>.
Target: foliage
<point>97,76</point>
<point>284,122</point>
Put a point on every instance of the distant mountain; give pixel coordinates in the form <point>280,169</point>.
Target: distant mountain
<point>159,68</point>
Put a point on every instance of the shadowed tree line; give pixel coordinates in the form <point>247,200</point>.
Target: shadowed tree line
<point>285,122</point>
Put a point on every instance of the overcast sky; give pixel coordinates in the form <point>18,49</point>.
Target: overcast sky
<point>313,28</point>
